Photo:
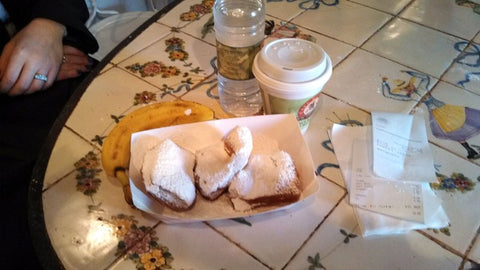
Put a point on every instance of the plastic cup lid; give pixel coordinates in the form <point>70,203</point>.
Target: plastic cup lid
<point>292,60</point>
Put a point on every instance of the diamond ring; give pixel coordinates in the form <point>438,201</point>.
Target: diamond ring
<point>40,77</point>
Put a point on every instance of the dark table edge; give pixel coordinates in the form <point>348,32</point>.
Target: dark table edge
<point>41,241</point>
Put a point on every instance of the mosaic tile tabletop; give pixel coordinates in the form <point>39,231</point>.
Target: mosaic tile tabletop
<point>406,56</point>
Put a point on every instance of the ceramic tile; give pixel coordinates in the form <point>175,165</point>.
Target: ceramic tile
<point>392,56</point>
<point>453,134</point>
<point>444,15</point>
<point>465,71</point>
<point>207,94</point>
<point>284,231</point>
<point>330,111</point>
<point>457,186</point>
<point>87,217</point>
<point>202,28</point>
<point>287,10</point>
<point>186,12</point>
<point>359,81</point>
<point>338,245</point>
<point>153,33</point>
<point>178,56</point>
<point>198,247</point>
<point>477,38</point>
<point>341,21</point>
<point>406,42</point>
<point>67,150</point>
<point>390,6</point>
<point>115,85</point>
<point>475,252</point>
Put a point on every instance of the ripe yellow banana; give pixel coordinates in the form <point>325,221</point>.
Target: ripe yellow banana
<point>116,146</point>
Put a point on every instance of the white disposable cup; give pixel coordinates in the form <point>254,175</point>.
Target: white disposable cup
<point>291,73</point>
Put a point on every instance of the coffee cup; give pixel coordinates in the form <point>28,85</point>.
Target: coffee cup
<point>291,73</point>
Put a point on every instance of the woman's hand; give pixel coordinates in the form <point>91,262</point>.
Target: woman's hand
<point>36,49</point>
<point>74,63</point>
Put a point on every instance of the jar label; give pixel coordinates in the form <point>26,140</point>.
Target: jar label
<point>236,63</point>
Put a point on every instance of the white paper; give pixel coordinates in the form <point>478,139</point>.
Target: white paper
<point>377,224</point>
<point>394,198</point>
<point>400,148</point>
<point>373,223</point>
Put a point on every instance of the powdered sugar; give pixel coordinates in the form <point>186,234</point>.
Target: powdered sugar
<point>216,166</point>
<point>167,170</point>
<point>266,175</point>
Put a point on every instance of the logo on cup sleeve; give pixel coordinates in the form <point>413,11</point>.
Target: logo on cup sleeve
<point>308,108</point>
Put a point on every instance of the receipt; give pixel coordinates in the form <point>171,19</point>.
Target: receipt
<point>394,198</point>
<point>383,210</point>
<point>400,148</point>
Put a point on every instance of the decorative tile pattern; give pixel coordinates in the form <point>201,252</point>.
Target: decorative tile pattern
<point>79,210</point>
<point>177,61</point>
<point>465,71</point>
<point>458,185</point>
<point>406,43</point>
<point>177,16</point>
<point>408,56</point>
<point>439,14</point>
<point>461,137</point>
<point>337,247</point>
<point>201,253</point>
<point>153,33</point>
<point>253,237</point>
<point>116,84</point>
<point>68,150</point>
<point>367,90</point>
<point>340,21</point>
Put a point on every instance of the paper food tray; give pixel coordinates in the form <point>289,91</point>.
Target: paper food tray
<point>282,127</point>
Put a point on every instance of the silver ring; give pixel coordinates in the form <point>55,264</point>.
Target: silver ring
<point>64,59</point>
<point>40,77</point>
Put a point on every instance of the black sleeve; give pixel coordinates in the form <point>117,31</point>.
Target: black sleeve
<point>71,13</point>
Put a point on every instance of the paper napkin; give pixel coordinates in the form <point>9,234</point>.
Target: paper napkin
<point>385,205</point>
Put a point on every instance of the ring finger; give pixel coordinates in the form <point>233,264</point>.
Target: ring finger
<point>39,81</point>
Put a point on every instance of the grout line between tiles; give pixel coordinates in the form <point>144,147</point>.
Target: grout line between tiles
<point>469,249</point>
<point>54,183</point>
<point>377,9</point>
<point>237,244</point>
<point>347,103</point>
<point>441,244</point>
<point>95,147</point>
<point>453,153</point>
<point>470,43</point>
<point>315,230</point>
<point>394,16</point>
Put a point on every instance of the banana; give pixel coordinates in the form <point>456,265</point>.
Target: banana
<point>116,146</point>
